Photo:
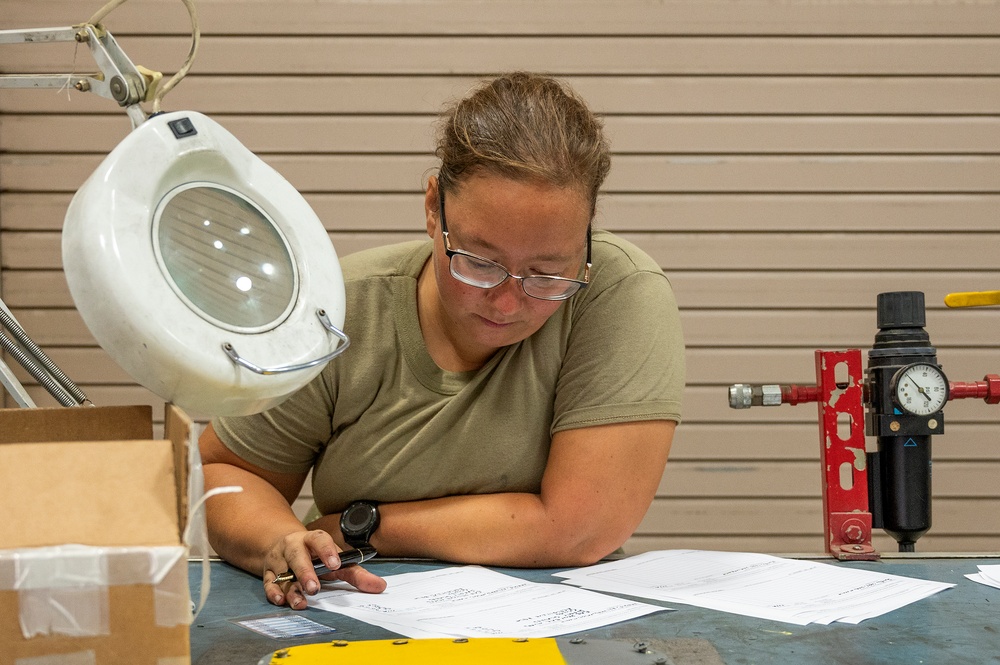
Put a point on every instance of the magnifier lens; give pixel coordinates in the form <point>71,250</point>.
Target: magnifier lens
<point>224,257</point>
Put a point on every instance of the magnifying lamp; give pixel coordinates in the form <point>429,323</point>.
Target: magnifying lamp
<point>195,265</point>
<point>201,270</point>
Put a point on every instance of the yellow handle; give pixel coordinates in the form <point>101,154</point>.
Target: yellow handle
<point>972,299</point>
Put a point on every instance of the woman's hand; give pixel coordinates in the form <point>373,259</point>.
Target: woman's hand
<point>296,552</point>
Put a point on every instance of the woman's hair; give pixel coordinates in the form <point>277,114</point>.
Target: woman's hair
<point>523,126</point>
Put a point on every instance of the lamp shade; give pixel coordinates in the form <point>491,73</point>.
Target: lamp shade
<point>201,270</point>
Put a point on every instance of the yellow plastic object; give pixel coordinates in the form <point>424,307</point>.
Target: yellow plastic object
<point>972,299</point>
<point>153,79</point>
<point>482,651</point>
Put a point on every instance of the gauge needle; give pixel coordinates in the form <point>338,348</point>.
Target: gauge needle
<point>920,390</point>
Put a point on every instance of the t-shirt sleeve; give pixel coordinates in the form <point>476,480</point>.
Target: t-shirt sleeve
<point>288,437</point>
<point>625,357</point>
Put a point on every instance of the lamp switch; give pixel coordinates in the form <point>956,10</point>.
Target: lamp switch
<point>182,127</point>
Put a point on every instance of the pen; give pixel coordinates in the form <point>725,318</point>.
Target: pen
<point>347,558</point>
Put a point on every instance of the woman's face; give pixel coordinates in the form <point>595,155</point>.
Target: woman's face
<point>527,227</point>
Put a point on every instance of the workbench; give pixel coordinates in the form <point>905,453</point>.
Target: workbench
<point>958,626</point>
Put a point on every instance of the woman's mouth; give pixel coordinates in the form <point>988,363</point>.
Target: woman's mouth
<point>493,324</point>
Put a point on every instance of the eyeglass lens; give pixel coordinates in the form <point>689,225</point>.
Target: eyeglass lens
<point>486,274</point>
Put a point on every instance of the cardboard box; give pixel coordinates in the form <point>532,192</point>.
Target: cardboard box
<point>93,569</point>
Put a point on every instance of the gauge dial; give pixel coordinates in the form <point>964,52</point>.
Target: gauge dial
<point>920,389</point>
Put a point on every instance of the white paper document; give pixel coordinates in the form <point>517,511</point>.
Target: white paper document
<point>470,601</point>
<point>756,585</point>
<point>988,575</point>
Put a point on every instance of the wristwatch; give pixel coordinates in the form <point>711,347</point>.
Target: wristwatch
<point>358,522</point>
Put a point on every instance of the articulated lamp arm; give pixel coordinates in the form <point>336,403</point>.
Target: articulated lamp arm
<point>118,79</point>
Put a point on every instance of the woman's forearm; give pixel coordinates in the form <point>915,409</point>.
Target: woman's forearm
<point>514,529</point>
<point>244,526</point>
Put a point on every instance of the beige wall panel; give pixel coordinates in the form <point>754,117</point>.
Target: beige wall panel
<point>879,17</point>
<point>800,441</point>
<point>825,289</point>
<point>701,405</point>
<point>767,532</point>
<point>797,212</point>
<point>799,134</point>
<point>606,94</point>
<point>51,328</point>
<point>702,329</point>
<point>631,55</point>
<point>769,365</point>
<point>849,173</point>
<point>821,290</point>
<point>704,367</point>
<point>628,134</point>
<point>830,330</point>
<point>32,211</point>
<point>674,251</point>
<point>716,173</point>
<point>62,172</point>
<point>34,288</point>
<point>756,329</point>
<point>817,251</point>
<point>739,480</point>
<point>112,396</point>
<point>90,367</point>
<point>38,211</point>
<point>720,517</point>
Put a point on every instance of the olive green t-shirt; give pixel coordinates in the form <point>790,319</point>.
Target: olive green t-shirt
<point>383,422</point>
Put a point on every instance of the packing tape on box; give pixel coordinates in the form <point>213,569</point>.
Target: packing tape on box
<point>87,657</point>
<point>63,589</point>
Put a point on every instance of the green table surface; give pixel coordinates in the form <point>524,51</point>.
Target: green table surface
<point>957,626</point>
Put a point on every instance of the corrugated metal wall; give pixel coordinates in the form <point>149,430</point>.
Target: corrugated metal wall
<point>784,162</point>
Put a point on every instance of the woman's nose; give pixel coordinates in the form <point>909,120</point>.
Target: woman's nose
<point>508,297</point>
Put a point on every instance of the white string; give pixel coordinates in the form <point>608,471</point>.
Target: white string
<point>206,567</point>
<point>226,489</point>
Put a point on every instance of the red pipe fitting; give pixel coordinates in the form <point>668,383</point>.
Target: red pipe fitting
<point>794,394</point>
<point>988,389</point>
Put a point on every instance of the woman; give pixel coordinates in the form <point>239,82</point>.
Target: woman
<point>512,387</point>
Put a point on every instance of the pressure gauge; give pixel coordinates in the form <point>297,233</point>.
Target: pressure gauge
<point>920,389</point>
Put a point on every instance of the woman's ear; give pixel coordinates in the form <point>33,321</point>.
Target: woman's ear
<point>431,204</point>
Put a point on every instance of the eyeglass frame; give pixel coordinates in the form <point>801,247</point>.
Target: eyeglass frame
<point>450,253</point>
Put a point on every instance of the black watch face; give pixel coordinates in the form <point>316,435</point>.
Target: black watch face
<point>359,517</point>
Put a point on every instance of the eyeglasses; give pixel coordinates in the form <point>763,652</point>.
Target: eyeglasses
<point>485,274</point>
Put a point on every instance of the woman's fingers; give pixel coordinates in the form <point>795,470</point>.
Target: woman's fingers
<point>359,578</point>
<point>297,552</point>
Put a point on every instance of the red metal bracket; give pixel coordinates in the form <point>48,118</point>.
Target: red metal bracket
<point>847,521</point>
